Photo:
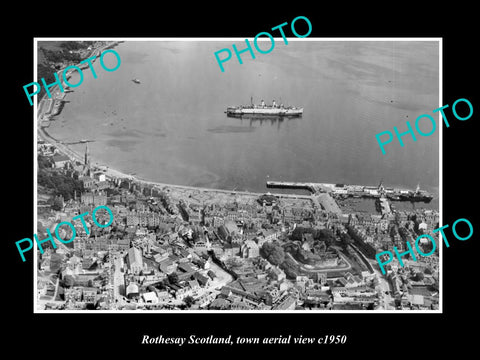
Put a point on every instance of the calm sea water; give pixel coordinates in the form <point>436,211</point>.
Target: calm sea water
<point>172,127</point>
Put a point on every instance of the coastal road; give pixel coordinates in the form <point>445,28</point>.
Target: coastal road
<point>57,94</point>
<point>61,147</point>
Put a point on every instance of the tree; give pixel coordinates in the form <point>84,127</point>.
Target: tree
<point>368,250</point>
<point>61,184</point>
<point>173,278</point>
<point>290,268</point>
<point>55,261</point>
<point>419,276</point>
<point>57,203</point>
<point>71,45</point>
<point>324,235</point>
<point>345,239</point>
<point>273,252</point>
<point>426,248</point>
<point>46,72</point>
<point>44,162</point>
<point>112,191</point>
<point>189,301</point>
<point>297,233</point>
<point>68,281</point>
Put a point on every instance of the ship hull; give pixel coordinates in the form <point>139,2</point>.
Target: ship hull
<point>255,117</point>
<point>268,112</point>
<point>416,198</point>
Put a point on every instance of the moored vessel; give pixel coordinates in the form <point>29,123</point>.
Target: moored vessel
<point>264,110</point>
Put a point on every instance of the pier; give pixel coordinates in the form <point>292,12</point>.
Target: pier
<point>358,191</point>
<point>312,187</point>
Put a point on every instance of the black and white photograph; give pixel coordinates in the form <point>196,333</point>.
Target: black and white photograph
<point>222,200</point>
<point>205,181</point>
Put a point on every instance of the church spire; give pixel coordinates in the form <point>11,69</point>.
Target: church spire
<point>87,161</point>
<point>86,165</point>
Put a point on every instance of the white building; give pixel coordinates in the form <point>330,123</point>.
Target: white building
<point>135,260</point>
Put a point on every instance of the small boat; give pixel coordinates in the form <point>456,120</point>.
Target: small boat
<point>136,81</point>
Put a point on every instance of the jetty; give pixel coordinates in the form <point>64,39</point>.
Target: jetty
<point>358,191</point>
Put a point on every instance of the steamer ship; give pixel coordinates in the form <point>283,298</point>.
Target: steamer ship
<point>264,110</point>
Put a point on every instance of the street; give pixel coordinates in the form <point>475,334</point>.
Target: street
<point>118,280</point>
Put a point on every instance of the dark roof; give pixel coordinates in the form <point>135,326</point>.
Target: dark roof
<point>185,267</point>
<point>200,278</point>
<point>60,157</point>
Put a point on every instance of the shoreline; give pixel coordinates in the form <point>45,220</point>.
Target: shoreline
<point>43,122</point>
<point>117,174</point>
<point>59,96</point>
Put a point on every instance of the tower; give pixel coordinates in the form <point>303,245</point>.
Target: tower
<point>86,165</point>
<point>87,160</point>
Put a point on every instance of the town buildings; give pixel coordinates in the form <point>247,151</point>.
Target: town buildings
<point>183,248</point>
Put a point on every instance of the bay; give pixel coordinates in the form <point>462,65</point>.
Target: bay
<point>172,127</point>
